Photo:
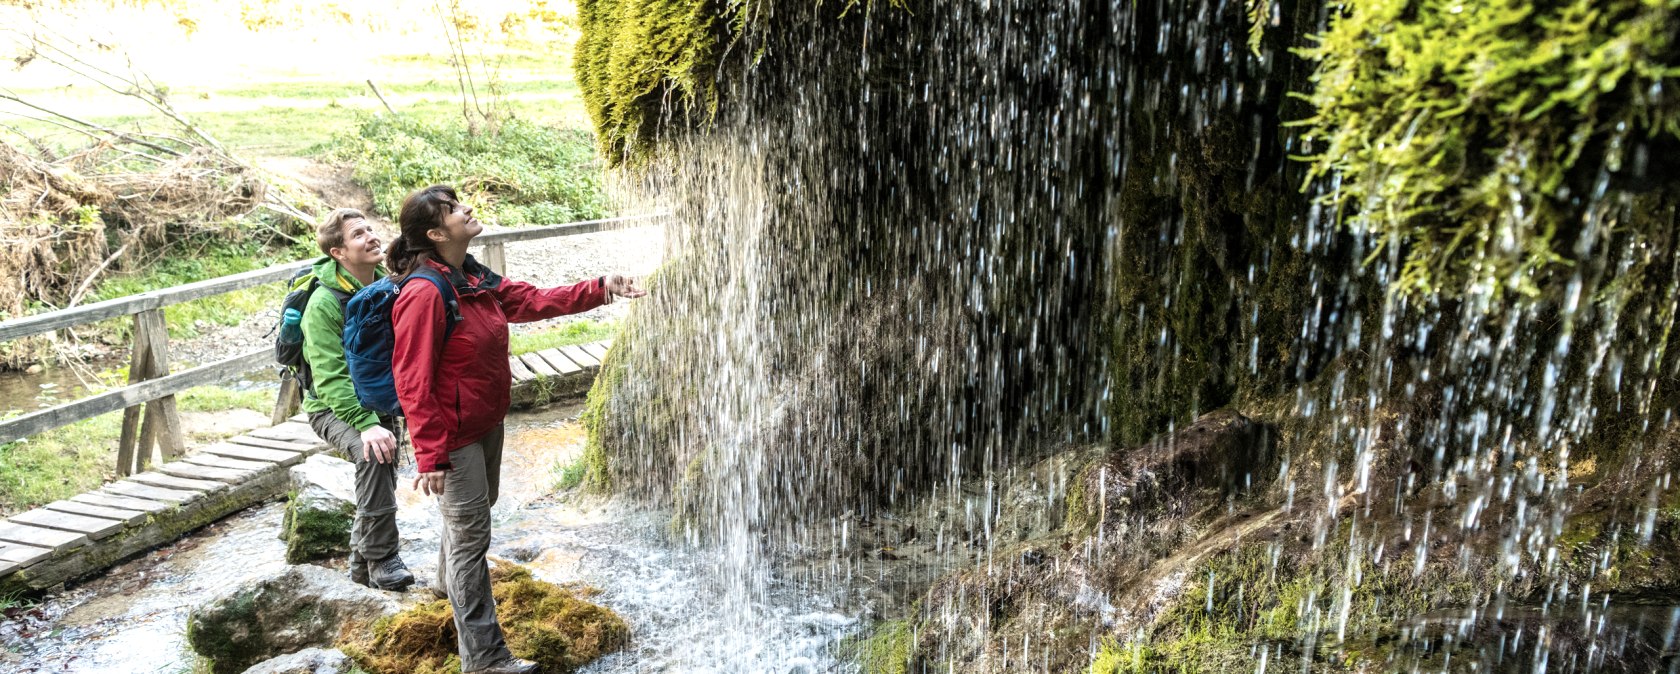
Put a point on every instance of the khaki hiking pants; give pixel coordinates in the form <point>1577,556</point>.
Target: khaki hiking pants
<point>373,534</point>
<point>469,490</point>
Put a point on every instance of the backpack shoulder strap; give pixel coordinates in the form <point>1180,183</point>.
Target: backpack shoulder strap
<point>451,301</point>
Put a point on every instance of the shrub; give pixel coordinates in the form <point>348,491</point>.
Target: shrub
<point>522,173</point>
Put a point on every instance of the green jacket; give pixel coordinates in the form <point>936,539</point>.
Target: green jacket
<point>323,348</point>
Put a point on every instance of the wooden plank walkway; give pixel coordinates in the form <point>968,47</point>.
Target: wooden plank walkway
<point>88,533</point>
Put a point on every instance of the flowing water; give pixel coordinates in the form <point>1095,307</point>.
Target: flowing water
<point>912,250</point>
<point>133,618</point>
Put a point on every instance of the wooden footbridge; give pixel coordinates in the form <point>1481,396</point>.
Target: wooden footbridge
<point>156,502</point>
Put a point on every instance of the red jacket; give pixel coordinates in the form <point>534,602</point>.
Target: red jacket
<point>455,392</point>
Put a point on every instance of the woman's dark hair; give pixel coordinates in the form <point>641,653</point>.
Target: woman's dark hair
<point>421,211</point>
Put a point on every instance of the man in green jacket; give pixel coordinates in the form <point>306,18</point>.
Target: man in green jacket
<point>353,253</point>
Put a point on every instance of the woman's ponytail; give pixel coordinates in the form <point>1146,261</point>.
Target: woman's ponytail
<point>421,212</point>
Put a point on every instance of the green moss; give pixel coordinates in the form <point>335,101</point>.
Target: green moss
<point>1470,134</point>
<point>1078,519</point>
<point>552,625</point>
<point>639,61</point>
<point>1256,593</point>
<point>313,534</point>
<point>227,642</point>
<point>597,469</point>
<point>885,649</point>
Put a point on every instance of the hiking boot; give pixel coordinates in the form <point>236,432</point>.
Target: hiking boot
<point>390,574</point>
<point>509,666</point>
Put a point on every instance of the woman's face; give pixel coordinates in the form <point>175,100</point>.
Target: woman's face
<point>459,223</point>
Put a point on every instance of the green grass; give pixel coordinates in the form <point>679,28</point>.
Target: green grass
<point>196,260</point>
<point>220,399</point>
<point>582,331</point>
<point>297,117</point>
<point>59,463</point>
<point>569,475</point>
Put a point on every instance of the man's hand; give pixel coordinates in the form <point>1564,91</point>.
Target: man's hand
<point>378,444</point>
<point>430,484</point>
<point>623,286</point>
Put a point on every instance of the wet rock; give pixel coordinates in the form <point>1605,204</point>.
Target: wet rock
<point>282,612</point>
<point>306,661</point>
<point>1220,454</point>
<point>522,553</point>
<point>1035,498</point>
<point>319,510</point>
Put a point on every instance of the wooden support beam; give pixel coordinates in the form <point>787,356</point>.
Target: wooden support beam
<point>286,404</point>
<point>495,257</point>
<point>159,420</point>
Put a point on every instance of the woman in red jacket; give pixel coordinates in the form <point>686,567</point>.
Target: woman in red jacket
<point>453,383</point>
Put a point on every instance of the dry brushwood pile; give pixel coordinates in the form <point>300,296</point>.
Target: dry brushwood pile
<point>64,220</point>
<point>69,217</point>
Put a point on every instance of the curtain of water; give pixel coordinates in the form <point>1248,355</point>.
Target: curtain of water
<point>913,248</point>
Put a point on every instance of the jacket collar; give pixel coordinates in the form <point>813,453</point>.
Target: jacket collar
<point>471,277</point>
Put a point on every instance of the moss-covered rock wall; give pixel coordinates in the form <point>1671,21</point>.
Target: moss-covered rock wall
<point>913,245</point>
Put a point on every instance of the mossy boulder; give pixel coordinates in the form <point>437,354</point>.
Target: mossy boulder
<point>555,626</point>
<point>319,510</point>
<point>282,612</point>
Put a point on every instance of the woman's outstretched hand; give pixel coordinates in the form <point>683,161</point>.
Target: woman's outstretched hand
<point>622,286</point>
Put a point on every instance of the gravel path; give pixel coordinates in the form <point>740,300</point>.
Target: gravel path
<point>548,262</point>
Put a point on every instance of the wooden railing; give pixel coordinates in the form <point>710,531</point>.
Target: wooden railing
<point>150,417</point>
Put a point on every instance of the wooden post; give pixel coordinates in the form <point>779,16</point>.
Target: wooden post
<point>286,404</point>
<point>495,257</point>
<point>157,423</point>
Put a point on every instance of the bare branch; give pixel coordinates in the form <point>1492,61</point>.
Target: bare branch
<point>7,94</point>
<point>76,297</point>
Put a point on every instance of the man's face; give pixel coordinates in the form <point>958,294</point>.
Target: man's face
<point>362,246</point>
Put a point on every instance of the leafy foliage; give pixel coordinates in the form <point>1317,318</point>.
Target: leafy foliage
<point>523,173</point>
<point>1480,136</point>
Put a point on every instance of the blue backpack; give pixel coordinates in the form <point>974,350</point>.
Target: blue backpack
<point>369,338</point>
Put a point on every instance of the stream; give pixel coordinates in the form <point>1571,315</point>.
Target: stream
<point>682,615</point>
